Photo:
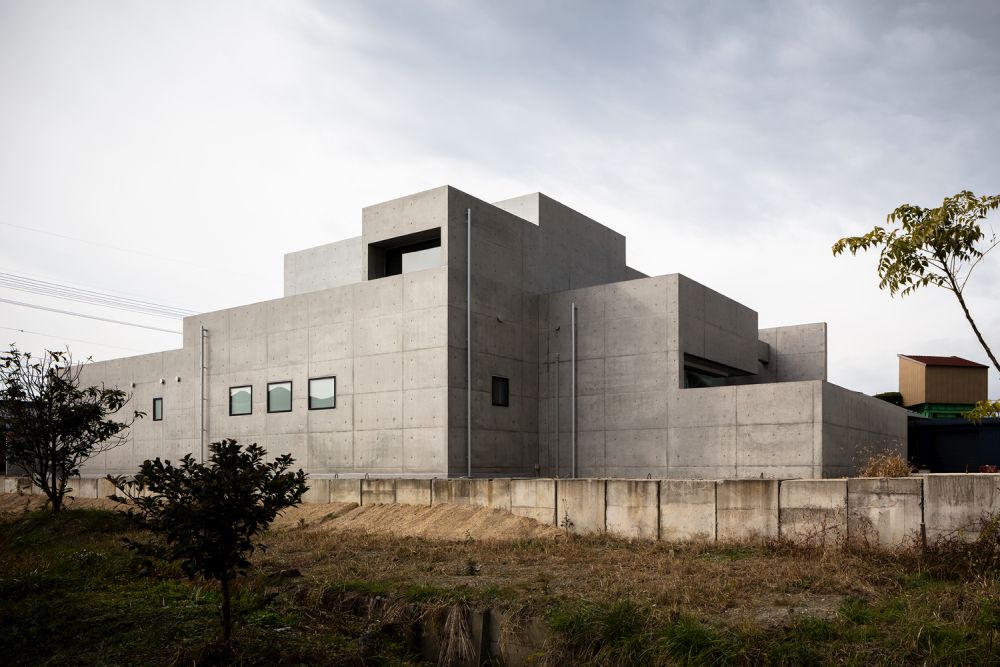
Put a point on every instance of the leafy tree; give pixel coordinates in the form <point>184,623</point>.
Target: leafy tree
<point>208,516</point>
<point>893,397</point>
<point>983,410</point>
<point>931,246</point>
<point>53,425</point>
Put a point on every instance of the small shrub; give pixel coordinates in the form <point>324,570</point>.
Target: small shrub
<point>886,464</point>
<point>209,516</point>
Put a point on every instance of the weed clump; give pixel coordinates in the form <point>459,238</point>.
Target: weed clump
<point>886,464</point>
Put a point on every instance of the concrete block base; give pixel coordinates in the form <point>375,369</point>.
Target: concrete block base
<point>687,510</point>
<point>747,509</point>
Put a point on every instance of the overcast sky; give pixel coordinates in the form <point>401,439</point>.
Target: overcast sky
<point>173,152</point>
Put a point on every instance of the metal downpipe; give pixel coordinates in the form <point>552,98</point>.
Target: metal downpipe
<point>573,388</point>
<point>468,341</point>
<point>201,404</point>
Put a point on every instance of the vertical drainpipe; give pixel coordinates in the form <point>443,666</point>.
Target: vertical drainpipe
<point>468,341</point>
<point>573,387</point>
<point>558,471</point>
<point>201,411</point>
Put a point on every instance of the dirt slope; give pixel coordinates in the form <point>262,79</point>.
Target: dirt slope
<point>440,522</point>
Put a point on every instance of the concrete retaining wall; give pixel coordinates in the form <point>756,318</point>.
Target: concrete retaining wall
<point>633,508</point>
<point>877,511</point>
<point>813,510</point>
<point>581,505</point>
<point>378,491</point>
<point>413,492</point>
<point>687,510</point>
<point>746,509</point>
<point>885,512</point>
<point>319,491</point>
<point>345,491</point>
<point>535,499</point>
<point>954,505</point>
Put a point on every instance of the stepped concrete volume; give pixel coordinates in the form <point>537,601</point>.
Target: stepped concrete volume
<point>581,366</point>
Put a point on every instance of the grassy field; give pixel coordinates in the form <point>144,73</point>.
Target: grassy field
<point>72,594</point>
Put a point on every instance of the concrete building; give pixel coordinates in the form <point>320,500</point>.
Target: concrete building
<point>580,365</point>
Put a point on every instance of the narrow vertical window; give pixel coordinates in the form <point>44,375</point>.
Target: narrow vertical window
<point>157,409</point>
<point>241,400</point>
<point>322,393</point>
<point>501,391</point>
<point>279,397</point>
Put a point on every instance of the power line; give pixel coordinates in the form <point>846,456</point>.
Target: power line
<point>89,317</point>
<point>75,340</point>
<point>35,286</point>
<point>132,251</point>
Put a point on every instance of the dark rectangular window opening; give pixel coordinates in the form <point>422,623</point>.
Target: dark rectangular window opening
<point>700,373</point>
<point>323,393</point>
<point>501,391</point>
<point>240,400</point>
<point>157,409</point>
<point>279,396</point>
<point>405,254</point>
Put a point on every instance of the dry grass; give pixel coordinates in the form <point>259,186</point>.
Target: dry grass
<point>886,464</point>
<point>325,592</point>
<point>732,583</point>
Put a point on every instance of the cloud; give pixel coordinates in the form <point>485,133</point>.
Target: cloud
<point>730,141</point>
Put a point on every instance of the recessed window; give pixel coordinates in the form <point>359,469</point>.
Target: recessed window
<point>279,397</point>
<point>322,393</point>
<point>240,400</point>
<point>695,378</point>
<point>501,391</point>
<point>404,254</point>
<point>157,409</point>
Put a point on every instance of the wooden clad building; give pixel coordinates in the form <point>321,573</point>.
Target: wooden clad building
<point>941,386</point>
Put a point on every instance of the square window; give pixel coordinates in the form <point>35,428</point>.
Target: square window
<point>279,397</point>
<point>501,391</point>
<point>323,393</point>
<point>157,409</point>
<point>240,400</point>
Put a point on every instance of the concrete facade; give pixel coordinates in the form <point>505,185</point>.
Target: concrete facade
<point>667,379</point>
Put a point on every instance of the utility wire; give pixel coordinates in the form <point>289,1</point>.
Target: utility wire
<point>35,286</point>
<point>132,251</point>
<point>75,340</point>
<point>89,317</point>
